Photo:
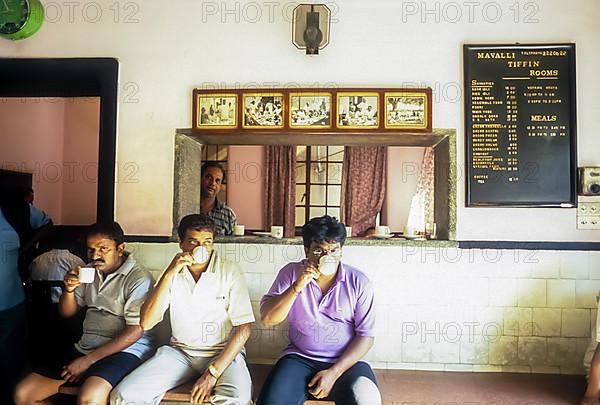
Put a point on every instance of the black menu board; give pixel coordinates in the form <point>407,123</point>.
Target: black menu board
<point>520,124</point>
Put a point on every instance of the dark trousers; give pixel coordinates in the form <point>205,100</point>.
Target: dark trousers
<point>13,332</point>
<point>287,383</point>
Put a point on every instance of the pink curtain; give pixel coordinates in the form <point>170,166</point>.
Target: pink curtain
<point>363,186</point>
<point>421,209</point>
<point>280,186</point>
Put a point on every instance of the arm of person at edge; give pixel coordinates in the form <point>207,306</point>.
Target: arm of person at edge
<point>321,384</point>
<point>156,304</point>
<point>202,389</point>
<point>67,304</point>
<point>72,371</point>
<point>592,392</point>
<point>276,309</point>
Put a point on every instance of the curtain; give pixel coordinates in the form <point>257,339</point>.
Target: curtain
<point>363,186</point>
<point>280,187</point>
<point>421,207</point>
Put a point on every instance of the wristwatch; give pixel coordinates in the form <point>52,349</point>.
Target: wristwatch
<point>212,370</point>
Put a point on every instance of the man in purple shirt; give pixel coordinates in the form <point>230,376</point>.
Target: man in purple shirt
<point>329,306</point>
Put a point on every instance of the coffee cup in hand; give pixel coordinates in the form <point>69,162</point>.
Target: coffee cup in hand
<point>87,274</point>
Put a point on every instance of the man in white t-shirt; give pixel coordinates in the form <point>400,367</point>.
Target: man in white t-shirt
<point>210,313</point>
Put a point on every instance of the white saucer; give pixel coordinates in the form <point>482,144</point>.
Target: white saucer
<point>383,236</point>
<point>262,233</point>
<point>413,237</point>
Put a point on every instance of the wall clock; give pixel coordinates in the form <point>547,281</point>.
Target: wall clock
<point>20,19</point>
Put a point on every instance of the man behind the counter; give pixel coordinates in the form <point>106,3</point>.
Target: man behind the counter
<point>212,176</point>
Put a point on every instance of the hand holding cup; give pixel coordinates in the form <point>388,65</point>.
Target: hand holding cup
<point>71,280</point>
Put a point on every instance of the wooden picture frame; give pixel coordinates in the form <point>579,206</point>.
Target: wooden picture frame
<point>407,109</point>
<point>263,110</point>
<point>310,110</point>
<point>215,110</point>
<point>358,109</point>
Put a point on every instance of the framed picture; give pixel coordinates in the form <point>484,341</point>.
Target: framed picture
<point>358,110</point>
<point>406,109</point>
<point>263,110</point>
<point>310,110</point>
<point>216,110</point>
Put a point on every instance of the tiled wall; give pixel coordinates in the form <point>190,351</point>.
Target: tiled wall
<point>447,308</point>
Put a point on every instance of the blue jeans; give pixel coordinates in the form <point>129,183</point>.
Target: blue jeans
<point>287,384</point>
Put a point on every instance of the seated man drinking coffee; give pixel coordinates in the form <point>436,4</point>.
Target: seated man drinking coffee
<point>113,342</point>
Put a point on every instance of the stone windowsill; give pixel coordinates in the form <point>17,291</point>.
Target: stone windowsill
<point>354,241</point>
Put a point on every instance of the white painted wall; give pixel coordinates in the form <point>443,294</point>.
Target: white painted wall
<point>166,49</point>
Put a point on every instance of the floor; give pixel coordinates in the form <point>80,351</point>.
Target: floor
<point>439,388</point>
<point>401,387</point>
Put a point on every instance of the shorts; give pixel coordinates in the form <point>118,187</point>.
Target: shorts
<point>112,368</point>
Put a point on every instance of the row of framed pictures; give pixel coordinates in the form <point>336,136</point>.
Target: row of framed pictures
<point>309,109</point>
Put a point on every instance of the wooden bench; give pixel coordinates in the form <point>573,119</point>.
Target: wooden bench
<point>181,393</point>
<point>431,387</point>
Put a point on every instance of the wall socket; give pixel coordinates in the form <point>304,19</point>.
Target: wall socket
<point>588,215</point>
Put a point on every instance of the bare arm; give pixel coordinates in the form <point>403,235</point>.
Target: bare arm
<point>203,387</point>
<point>592,392</point>
<point>126,338</point>
<point>322,382</point>
<point>276,309</point>
<point>356,350</point>
<point>237,340</point>
<point>67,304</point>
<point>157,302</point>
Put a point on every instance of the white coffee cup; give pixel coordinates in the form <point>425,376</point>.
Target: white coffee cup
<point>382,230</point>
<point>200,254</point>
<point>239,230</point>
<point>328,264</point>
<point>410,231</point>
<point>348,231</point>
<point>86,274</point>
<point>277,231</point>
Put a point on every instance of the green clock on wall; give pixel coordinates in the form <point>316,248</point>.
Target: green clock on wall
<point>20,19</point>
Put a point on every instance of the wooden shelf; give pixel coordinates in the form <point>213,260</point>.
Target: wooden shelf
<point>347,138</point>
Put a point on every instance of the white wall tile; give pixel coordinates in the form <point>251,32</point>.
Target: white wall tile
<point>516,369</point>
<point>503,292</point>
<point>586,292</point>
<point>574,265</point>
<point>400,366</point>
<point>563,352</point>
<point>546,321</point>
<point>594,262</point>
<point>415,349</point>
<point>517,321</point>
<point>543,264</point>
<point>486,368</point>
<point>387,348</point>
<point>575,323</point>
<point>474,350</point>
<point>532,350</point>
<point>445,351</point>
<point>253,282</point>
<point>504,351</point>
<point>464,368</point>
<point>532,292</point>
<point>561,293</point>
